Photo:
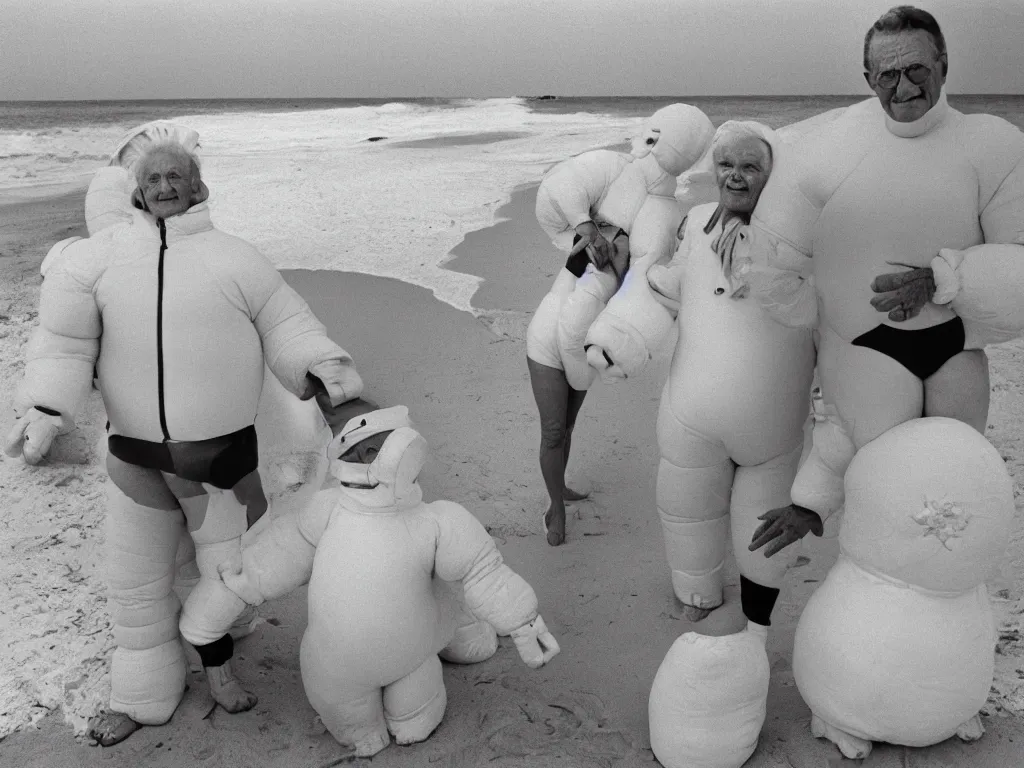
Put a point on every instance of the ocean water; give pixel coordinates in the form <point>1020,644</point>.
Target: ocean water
<point>378,186</point>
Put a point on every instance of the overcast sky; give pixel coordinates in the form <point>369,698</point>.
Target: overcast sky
<point>143,49</point>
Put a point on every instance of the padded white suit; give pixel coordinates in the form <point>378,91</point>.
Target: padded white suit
<point>897,644</point>
<point>224,311</point>
<point>945,191</point>
<point>616,191</point>
<point>387,574</point>
<point>730,424</point>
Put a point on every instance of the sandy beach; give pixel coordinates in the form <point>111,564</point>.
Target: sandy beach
<point>605,594</point>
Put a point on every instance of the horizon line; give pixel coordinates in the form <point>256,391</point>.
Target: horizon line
<point>541,97</point>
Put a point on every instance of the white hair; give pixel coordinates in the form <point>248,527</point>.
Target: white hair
<point>140,140</point>
<point>165,147</point>
<point>736,129</point>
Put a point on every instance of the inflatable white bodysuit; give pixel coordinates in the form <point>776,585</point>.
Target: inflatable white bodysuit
<point>292,434</point>
<point>945,191</point>
<point>636,194</point>
<point>897,644</point>
<point>387,574</point>
<point>98,316</point>
<point>730,432</point>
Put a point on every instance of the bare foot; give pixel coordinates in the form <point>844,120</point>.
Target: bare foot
<point>568,494</point>
<point>694,613</point>
<point>554,525</point>
<point>227,691</point>
<point>109,728</point>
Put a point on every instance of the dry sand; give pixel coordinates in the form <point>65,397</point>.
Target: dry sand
<point>605,594</point>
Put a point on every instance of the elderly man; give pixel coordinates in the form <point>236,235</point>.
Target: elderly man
<point>902,180</point>
<point>176,319</point>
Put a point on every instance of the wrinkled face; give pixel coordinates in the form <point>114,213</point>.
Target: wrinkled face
<point>365,451</point>
<point>912,55</point>
<point>167,183</point>
<point>742,167</point>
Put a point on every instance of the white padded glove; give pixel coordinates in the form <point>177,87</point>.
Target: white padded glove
<point>340,379</point>
<point>32,435</point>
<point>234,577</point>
<point>536,645</point>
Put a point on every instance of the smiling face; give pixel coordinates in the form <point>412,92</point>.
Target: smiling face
<point>742,167</point>
<point>167,181</point>
<point>897,52</point>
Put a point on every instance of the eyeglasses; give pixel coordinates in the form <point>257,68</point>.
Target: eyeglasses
<point>890,78</point>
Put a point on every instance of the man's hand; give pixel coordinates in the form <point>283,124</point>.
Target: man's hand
<point>903,294</point>
<point>536,645</point>
<point>32,435</point>
<point>337,379</point>
<point>598,249</point>
<point>783,526</point>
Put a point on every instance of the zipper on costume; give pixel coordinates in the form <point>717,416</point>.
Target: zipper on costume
<point>160,329</point>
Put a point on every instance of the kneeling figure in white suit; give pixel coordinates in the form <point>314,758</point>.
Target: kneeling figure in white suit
<point>393,582</point>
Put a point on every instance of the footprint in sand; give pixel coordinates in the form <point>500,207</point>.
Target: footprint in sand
<point>573,725</point>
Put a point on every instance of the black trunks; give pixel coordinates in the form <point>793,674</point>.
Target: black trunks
<point>220,461</point>
<point>922,352</point>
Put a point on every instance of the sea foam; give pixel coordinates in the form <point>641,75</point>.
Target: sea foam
<point>312,191</point>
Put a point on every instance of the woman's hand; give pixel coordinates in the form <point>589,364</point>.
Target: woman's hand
<point>620,255</point>
<point>783,526</point>
<point>598,249</point>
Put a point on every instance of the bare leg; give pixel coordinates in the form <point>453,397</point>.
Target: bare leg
<point>960,389</point>
<point>551,393</point>
<point>576,397</point>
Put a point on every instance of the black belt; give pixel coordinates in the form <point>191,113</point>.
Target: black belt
<point>220,461</point>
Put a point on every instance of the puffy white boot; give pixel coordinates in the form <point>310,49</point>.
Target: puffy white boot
<point>709,699</point>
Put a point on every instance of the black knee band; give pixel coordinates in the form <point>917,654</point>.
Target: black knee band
<point>758,602</point>
<point>218,652</point>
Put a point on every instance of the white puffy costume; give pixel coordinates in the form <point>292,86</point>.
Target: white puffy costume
<point>898,642</point>
<point>634,193</point>
<point>176,320</point>
<point>387,574</point>
<point>945,191</point>
<point>730,432</point>
<point>292,433</point>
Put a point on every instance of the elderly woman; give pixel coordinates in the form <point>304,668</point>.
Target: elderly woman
<point>176,320</point>
<point>616,208</point>
<point>730,425</point>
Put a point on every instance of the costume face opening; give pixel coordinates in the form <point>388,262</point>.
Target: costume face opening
<point>742,167</point>
<point>167,181</point>
<point>365,451</point>
<point>897,60</point>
